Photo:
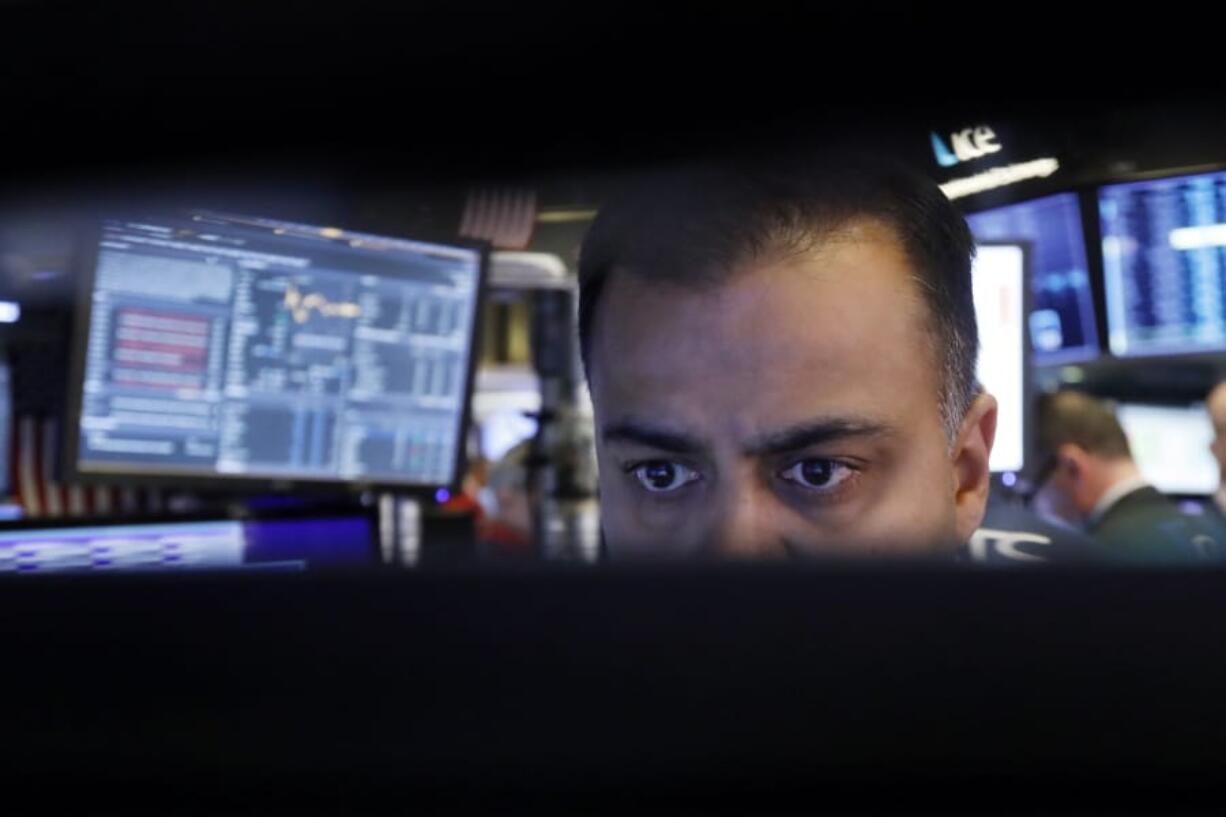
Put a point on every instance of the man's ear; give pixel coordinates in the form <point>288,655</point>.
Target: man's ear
<point>972,473</point>
<point>1071,460</point>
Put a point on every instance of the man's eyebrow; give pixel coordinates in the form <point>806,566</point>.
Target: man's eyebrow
<point>794,438</point>
<point>814,433</point>
<point>632,431</point>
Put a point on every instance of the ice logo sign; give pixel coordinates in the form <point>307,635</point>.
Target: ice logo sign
<point>967,144</point>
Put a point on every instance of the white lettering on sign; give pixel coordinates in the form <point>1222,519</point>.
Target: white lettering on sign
<point>974,143</point>
<point>1005,544</point>
<point>968,144</point>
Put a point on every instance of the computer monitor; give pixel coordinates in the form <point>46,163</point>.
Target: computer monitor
<point>1062,318</point>
<point>999,282</point>
<point>223,347</point>
<point>1170,445</point>
<point>315,543</point>
<point>1164,264</point>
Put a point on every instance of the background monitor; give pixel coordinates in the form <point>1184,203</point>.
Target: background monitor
<point>1170,445</point>
<point>1164,264</point>
<point>1062,319</point>
<point>218,346</point>
<point>314,543</point>
<point>999,280</point>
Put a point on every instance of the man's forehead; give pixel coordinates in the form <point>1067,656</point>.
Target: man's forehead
<point>843,331</point>
<point>815,311</point>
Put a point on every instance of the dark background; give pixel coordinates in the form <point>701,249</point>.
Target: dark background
<point>729,692</point>
<point>385,91</point>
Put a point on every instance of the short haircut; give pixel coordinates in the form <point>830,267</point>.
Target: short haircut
<point>696,225</point>
<point>1073,417</point>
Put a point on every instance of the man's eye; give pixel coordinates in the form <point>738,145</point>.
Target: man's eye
<point>661,476</point>
<point>818,474</point>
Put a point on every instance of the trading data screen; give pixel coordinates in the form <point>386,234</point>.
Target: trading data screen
<point>1062,320</point>
<point>227,346</point>
<point>1165,265</point>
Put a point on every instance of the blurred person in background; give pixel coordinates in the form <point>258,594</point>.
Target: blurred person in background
<point>1089,479</point>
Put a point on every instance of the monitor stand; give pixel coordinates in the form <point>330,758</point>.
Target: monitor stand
<point>400,529</point>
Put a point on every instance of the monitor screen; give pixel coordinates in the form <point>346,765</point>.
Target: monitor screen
<point>286,544</point>
<point>223,346</point>
<point>1164,264</point>
<point>1062,320</point>
<point>1170,445</point>
<point>998,280</point>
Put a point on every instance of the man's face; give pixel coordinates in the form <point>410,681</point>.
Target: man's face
<point>1059,497</point>
<point>790,410</point>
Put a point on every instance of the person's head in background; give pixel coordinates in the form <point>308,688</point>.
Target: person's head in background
<point>782,363</point>
<point>1085,454</point>
<point>506,498</point>
<point>1216,405</point>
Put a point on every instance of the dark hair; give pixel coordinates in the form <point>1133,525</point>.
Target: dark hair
<point>695,225</point>
<point>1077,418</point>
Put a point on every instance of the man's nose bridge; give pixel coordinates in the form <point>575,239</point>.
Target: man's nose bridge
<point>744,527</point>
<point>743,510</point>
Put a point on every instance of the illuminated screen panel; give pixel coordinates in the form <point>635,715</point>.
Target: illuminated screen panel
<point>999,281</point>
<point>1164,262</point>
<point>1170,445</point>
<point>220,346</point>
<point>1062,317</point>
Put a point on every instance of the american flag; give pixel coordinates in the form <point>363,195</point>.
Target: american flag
<point>35,474</point>
<point>504,217</point>
<point>38,487</point>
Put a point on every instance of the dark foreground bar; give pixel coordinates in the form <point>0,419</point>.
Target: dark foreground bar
<point>731,690</point>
